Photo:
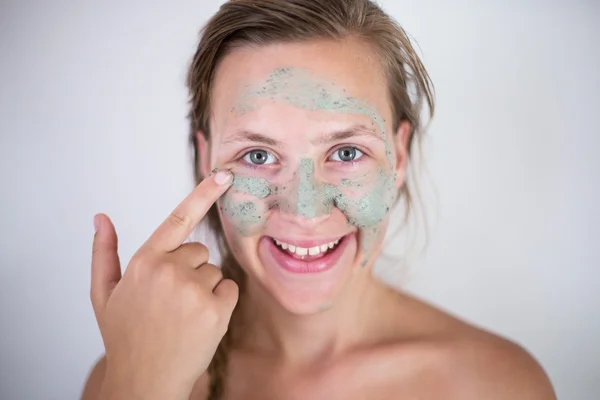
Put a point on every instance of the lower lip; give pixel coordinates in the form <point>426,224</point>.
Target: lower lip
<point>297,266</point>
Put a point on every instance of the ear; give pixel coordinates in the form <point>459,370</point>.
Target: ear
<point>203,149</point>
<point>401,142</point>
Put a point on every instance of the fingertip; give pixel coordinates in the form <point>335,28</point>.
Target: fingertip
<point>104,228</point>
<point>223,177</point>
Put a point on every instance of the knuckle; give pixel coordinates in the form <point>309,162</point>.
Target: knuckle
<point>138,260</point>
<point>194,252</point>
<point>136,265</point>
<point>212,270</point>
<point>211,317</point>
<point>179,219</point>
<point>142,265</point>
<point>197,246</point>
<point>168,265</point>
<point>215,271</point>
<point>167,272</point>
<point>233,290</point>
<point>193,293</point>
<point>200,250</point>
<point>230,295</point>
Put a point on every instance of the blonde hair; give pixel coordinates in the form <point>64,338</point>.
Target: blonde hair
<point>260,22</point>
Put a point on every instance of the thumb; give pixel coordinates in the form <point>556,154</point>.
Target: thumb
<point>106,268</point>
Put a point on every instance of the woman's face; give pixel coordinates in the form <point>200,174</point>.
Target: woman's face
<point>306,129</point>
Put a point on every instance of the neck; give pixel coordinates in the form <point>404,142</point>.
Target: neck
<point>304,339</point>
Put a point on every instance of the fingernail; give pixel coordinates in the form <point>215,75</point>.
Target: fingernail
<point>96,223</point>
<point>223,177</point>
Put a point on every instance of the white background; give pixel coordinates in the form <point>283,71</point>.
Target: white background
<point>92,119</point>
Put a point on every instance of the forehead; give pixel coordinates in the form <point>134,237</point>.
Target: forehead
<point>323,71</point>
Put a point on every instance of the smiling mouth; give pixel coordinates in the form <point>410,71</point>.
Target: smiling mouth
<point>314,252</point>
<point>305,256</point>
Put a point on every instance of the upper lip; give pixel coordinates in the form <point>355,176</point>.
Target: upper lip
<point>307,243</point>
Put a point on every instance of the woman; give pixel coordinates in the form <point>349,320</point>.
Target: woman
<point>306,112</point>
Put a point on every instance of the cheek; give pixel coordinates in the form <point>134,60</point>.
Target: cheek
<point>367,203</point>
<point>236,242</point>
<point>243,214</point>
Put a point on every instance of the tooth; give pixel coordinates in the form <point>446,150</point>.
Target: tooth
<point>324,248</point>
<point>331,244</point>
<point>277,242</point>
<point>292,248</point>
<point>313,251</point>
<point>301,251</point>
<point>336,242</point>
<point>284,246</point>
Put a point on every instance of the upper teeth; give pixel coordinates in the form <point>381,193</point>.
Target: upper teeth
<point>302,251</point>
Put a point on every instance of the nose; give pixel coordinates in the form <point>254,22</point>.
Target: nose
<point>307,199</point>
<point>308,223</point>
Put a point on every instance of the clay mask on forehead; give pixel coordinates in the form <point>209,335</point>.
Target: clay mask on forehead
<point>365,201</point>
<point>299,88</point>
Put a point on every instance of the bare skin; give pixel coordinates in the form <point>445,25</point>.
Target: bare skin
<point>427,354</point>
<point>358,339</point>
<point>162,320</point>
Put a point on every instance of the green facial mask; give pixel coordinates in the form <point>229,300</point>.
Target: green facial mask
<point>365,201</point>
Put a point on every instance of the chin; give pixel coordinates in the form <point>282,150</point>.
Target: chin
<point>305,276</point>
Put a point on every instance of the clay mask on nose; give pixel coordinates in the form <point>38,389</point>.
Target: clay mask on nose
<point>305,195</point>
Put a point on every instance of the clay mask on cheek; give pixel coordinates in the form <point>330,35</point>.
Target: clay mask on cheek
<point>365,201</point>
<point>244,203</point>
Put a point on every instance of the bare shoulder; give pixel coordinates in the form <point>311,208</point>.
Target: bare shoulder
<point>461,361</point>
<point>94,381</point>
<point>483,365</point>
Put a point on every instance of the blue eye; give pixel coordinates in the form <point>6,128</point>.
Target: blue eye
<point>259,157</point>
<point>346,154</point>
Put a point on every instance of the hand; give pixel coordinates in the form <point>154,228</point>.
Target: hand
<point>163,320</point>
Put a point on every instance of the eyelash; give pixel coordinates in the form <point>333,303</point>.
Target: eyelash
<point>247,154</point>
<point>252,165</point>
<point>359,154</point>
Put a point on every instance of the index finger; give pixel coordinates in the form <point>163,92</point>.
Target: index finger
<point>173,231</point>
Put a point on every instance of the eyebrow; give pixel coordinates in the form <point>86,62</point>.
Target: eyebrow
<point>249,136</point>
<point>353,131</point>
